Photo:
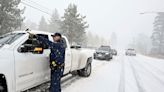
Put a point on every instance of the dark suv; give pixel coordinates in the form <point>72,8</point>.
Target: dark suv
<point>103,52</point>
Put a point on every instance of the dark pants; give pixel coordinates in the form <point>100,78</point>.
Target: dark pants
<point>55,80</point>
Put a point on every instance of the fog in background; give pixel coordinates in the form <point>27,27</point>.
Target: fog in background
<point>107,16</point>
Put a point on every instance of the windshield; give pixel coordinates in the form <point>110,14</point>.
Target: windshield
<point>104,48</point>
<point>9,38</point>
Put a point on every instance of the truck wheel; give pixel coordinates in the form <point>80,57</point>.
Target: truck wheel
<point>3,86</point>
<point>86,72</point>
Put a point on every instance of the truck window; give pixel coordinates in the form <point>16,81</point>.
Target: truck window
<point>45,36</point>
<point>31,44</point>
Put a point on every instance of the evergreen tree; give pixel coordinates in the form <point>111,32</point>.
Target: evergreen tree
<point>97,41</point>
<point>10,15</point>
<point>42,24</point>
<point>158,34</point>
<point>55,21</point>
<point>113,40</point>
<point>90,39</point>
<point>143,43</point>
<point>31,25</point>
<point>73,25</point>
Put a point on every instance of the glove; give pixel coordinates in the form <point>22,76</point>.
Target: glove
<point>54,64</point>
<point>31,35</point>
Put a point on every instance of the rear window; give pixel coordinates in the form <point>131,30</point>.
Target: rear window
<point>45,36</point>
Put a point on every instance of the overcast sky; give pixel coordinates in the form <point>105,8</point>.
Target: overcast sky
<point>107,16</point>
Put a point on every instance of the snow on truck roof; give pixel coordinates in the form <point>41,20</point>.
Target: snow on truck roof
<point>35,32</point>
<point>32,31</point>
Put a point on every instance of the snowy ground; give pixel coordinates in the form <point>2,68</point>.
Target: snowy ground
<point>122,74</point>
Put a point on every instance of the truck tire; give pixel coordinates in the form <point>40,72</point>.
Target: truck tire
<point>86,72</point>
<point>3,86</point>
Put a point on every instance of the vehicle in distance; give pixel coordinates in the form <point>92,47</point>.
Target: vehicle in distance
<point>130,52</point>
<point>114,52</point>
<point>103,52</point>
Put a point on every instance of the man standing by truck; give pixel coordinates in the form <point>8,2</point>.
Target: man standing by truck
<point>57,58</point>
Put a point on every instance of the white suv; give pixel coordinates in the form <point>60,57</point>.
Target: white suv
<point>130,52</point>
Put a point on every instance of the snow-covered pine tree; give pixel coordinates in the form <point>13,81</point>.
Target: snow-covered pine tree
<point>54,25</point>
<point>10,15</point>
<point>73,25</point>
<point>43,24</point>
<point>158,34</point>
<point>29,24</point>
<point>113,40</point>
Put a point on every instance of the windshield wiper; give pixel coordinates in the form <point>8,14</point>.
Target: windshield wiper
<point>10,40</point>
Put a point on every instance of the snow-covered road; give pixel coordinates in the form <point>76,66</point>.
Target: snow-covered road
<point>122,74</point>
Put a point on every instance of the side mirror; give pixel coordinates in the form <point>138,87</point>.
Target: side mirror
<point>38,50</point>
<point>75,46</point>
<point>26,48</point>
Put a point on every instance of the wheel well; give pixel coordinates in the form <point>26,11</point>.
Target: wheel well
<point>89,61</point>
<point>3,82</point>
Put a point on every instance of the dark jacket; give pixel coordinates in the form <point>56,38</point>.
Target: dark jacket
<point>57,54</point>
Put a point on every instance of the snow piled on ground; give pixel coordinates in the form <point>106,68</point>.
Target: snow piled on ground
<point>122,74</point>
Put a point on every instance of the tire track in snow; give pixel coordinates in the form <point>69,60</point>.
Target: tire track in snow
<point>122,75</point>
<point>149,71</point>
<point>146,63</point>
<point>136,76</point>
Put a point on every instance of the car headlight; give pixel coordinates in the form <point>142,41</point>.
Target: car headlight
<point>106,53</point>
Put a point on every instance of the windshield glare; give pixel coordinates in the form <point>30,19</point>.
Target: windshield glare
<point>9,38</point>
<point>104,48</point>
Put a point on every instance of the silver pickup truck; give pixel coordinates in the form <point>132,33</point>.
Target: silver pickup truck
<point>22,66</point>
